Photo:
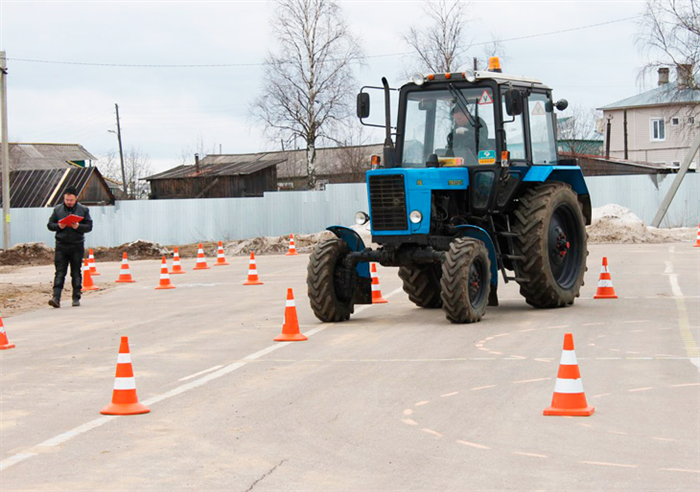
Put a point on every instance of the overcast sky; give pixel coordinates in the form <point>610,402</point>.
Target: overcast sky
<point>165,111</point>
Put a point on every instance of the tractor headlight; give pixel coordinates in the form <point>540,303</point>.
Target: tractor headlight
<point>469,75</point>
<point>415,217</point>
<point>418,78</point>
<point>361,218</point>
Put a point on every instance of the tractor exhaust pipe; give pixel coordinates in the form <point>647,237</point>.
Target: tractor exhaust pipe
<point>389,149</point>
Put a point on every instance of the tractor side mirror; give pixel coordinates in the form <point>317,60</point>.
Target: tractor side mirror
<point>561,104</point>
<point>514,102</point>
<point>362,105</point>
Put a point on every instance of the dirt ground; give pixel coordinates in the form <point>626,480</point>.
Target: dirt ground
<point>611,224</point>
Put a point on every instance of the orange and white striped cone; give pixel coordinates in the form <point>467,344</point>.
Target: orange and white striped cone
<point>91,262</point>
<point>569,398</point>
<point>177,267</point>
<point>220,258</point>
<point>697,240</point>
<point>125,272</point>
<point>292,247</point>
<point>605,286</point>
<point>124,399</point>
<point>290,328</point>
<point>252,272</point>
<point>376,289</point>
<point>164,277</point>
<point>88,284</point>
<point>4,342</point>
<point>201,260</point>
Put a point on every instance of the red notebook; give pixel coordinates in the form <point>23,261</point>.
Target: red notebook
<point>71,219</point>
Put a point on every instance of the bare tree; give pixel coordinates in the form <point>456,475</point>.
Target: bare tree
<point>669,34</point>
<point>577,131</point>
<point>440,47</point>
<point>187,152</point>
<point>137,165</point>
<point>308,80</point>
<point>352,159</point>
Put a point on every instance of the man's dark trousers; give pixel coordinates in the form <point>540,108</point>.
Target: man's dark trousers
<point>68,254</point>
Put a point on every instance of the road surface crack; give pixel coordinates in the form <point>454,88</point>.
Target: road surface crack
<point>267,474</point>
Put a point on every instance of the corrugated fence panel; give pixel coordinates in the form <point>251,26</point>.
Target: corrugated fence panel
<point>279,213</point>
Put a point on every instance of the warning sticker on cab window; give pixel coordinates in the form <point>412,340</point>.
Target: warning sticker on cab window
<point>485,98</point>
<point>538,110</point>
<point>487,157</point>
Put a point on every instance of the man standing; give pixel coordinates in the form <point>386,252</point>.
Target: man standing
<point>70,248</point>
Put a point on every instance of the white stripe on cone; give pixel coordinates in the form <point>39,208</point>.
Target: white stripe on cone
<point>605,283</point>
<point>124,383</point>
<point>124,359</point>
<point>290,303</point>
<point>568,358</point>
<point>570,386</point>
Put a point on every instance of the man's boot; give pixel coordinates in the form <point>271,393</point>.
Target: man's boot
<point>76,300</point>
<point>55,302</point>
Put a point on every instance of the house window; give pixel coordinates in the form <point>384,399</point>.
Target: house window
<point>674,121</point>
<point>676,164</point>
<point>657,130</point>
<point>690,120</point>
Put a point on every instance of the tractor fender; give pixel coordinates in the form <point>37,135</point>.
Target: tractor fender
<point>355,243</point>
<point>476,232</point>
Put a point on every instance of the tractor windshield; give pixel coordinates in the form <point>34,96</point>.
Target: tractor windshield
<point>458,125</point>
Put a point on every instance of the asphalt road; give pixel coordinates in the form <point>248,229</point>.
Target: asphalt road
<point>395,399</point>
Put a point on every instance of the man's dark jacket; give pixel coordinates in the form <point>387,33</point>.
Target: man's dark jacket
<point>68,235</point>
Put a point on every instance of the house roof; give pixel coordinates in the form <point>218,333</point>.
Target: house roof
<point>25,156</point>
<point>46,187</point>
<point>219,165</point>
<point>663,95</point>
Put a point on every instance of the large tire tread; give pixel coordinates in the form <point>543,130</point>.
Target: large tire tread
<point>455,277</point>
<point>320,282</point>
<point>422,284</point>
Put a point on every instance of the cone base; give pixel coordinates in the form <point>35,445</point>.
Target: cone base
<point>571,412</point>
<point>381,300</point>
<point>176,272</point>
<point>605,296</point>
<point>125,281</point>
<point>696,245</point>
<point>293,337</point>
<point>94,273</point>
<point>161,287</point>
<point>201,268</point>
<point>292,254</point>
<point>125,409</point>
<point>222,264</point>
<point>253,282</point>
<point>7,346</point>
<point>84,289</point>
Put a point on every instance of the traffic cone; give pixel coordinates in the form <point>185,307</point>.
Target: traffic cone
<point>605,286</point>
<point>252,272</point>
<point>220,258</point>
<point>124,272</point>
<point>91,262</point>
<point>569,398</point>
<point>376,289</point>
<point>4,342</point>
<point>292,247</point>
<point>124,399</point>
<point>88,284</point>
<point>290,329</point>
<point>697,241</point>
<point>177,268</point>
<point>201,260</point>
<point>164,277</point>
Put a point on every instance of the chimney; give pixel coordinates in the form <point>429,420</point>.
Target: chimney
<point>196,163</point>
<point>663,75</point>
<point>685,75</point>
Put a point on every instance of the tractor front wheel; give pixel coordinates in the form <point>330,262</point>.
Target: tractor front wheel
<point>466,281</point>
<point>422,284</point>
<point>329,294</point>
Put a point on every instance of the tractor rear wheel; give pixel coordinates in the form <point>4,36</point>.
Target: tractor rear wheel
<point>466,281</point>
<point>422,284</point>
<point>551,238</point>
<point>330,297</point>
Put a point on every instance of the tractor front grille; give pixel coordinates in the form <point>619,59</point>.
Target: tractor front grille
<point>387,198</point>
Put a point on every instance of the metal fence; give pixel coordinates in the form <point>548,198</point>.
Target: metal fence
<point>279,213</point>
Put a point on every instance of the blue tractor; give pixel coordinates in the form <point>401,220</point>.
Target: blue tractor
<point>471,185</point>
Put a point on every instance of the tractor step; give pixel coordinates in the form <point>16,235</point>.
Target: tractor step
<point>514,257</point>
<point>518,279</point>
<point>507,234</point>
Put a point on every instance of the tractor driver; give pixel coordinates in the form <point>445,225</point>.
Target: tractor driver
<point>462,141</point>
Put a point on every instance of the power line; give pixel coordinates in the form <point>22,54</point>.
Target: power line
<point>229,65</point>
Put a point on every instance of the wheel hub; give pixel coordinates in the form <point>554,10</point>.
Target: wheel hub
<point>562,244</point>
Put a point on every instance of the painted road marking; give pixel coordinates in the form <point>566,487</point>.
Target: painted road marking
<point>679,470</point>
<point>600,463</point>
<point>478,388</point>
<point>473,444</point>
<point>432,432</point>
<point>533,455</point>
<point>531,380</point>
<point>200,373</point>
<point>691,347</point>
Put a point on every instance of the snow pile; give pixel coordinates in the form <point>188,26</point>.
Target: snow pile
<point>615,224</point>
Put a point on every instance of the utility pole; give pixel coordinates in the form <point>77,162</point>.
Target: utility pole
<point>6,242</point>
<point>121,152</point>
